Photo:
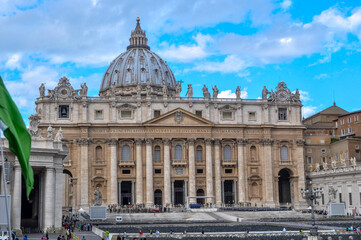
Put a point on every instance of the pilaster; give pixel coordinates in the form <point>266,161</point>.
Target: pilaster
<point>268,171</point>
<point>84,172</point>
<point>217,171</point>
<point>16,200</point>
<point>192,170</point>
<point>241,142</point>
<point>149,173</point>
<point>113,143</point>
<point>209,170</point>
<point>139,172</point>
<point>167,170</point>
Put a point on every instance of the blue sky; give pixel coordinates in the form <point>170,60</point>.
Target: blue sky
<point>311,45</point>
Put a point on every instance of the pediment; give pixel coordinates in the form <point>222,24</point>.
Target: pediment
<point>178,117</point>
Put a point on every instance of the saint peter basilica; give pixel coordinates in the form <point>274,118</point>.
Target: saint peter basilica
<point>143,144</point>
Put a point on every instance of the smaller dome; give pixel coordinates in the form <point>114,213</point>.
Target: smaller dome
<point>138,66</point>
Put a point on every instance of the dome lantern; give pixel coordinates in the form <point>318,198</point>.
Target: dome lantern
<point>138,38</point>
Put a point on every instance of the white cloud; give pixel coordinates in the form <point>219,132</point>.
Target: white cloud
<point>286,4</point>
<point>308,111</point>
<point>231,64</point>
<point>13,62</point>
<point>230,94</point>
<point>322,75</point>
<point>185,53</point>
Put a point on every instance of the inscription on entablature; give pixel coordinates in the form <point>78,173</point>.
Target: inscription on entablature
<point>231,131</point>
<point>254,131</point>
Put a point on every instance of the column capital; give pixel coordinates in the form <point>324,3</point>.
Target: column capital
<point>208,141</point>
<point>84,141</point>
<point>217,141</point>
<point>266,141</point>
<point>242,141</point>
<point>191,140</point>
<point>149,140</point>
<point>139,141</point>
<point>300,142</point>
<point>166,141</point>
<point>112,141</point>
<point>50,169</point>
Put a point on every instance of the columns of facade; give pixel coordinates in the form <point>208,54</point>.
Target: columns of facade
<point>139,172</point>
<point>209,171</point>
<point>185,191</point>
<point>222,188</point>
<point>167,170</point>
<point>300,202</point>
<point>217,171</point>
<point>113,170</point>
<point>149,173</point>
<point>172,187</point>
<point>234,190</point>
<point>120,193</point>
<point>268,171</point>
<point>84,172</point>
<point>16,200</point>
<point>192,171</point>
<point>241,171</point>
<point>49,201</point>
<point>132,202</point>
<point>58,198</point>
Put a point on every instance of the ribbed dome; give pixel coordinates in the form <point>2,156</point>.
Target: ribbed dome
<point>138,65</point>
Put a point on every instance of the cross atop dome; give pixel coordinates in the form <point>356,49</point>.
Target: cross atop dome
<point>138,38</point>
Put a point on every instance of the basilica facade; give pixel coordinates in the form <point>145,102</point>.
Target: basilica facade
<point>141,143</point>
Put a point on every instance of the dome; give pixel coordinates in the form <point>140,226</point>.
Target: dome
<point>137,68</point>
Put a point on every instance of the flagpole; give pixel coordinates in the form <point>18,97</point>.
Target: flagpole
<point>7,202</point>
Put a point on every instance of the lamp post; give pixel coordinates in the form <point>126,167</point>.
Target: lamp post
<point>312,195</point>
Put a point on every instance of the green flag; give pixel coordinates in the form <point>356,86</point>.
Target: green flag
<point>17,134</point>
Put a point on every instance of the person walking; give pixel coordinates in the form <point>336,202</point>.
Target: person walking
<point>25,237</point>
<point>83,238</point>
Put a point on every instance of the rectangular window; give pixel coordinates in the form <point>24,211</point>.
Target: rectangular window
<point>349,120</point>
<point>98,114</point>
<point>342,121</point>
<point>156,113</point>
<point>252,116</point>
<point>336,124</point>
<point>282,114</point>
<point>323,199</point>
<point>157,155</point>
<point>227,115</point>
<point>126,171</point>
<point>350,198</point>
<point>340,197</point>
<point>199,113</point>
<point>342,131</point>
<point>63,111</point>
<point>199,155</point>
<point>349,130</point>
<point>125,114</point>
<point>200,170</point>
<point>157,171</point>
<point>228,170</point>
<point>309,160</point>
<point>356,118</point>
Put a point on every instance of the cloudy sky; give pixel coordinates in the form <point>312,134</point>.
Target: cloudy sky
<point>311,45</point>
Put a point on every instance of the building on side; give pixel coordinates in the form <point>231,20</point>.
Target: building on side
<point>43,210</point>
<point>143,144</point>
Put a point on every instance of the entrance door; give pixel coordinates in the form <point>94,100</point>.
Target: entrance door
<point>228,192</point>
<point>200,193</point>
<point>30,209</point>
<point>158,197</point>
<point>126,196</point>
<point>284,186</point>
<point>179,192</point>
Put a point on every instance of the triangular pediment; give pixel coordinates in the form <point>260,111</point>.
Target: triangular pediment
<point>178,117</point>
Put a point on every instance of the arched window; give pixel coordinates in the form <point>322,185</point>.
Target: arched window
<point>158,197</point>
<point>199,153</point>
<point>227,152</point>
<point>98,153</point>
<point>284,153</point>
<point>157,153</point>
<point>126,153</point>
<point>178,155</point>
<point>253,153</point>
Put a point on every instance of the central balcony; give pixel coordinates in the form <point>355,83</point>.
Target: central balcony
<point>126,163</point>
<point>229,163</point>
<point>179,163</point>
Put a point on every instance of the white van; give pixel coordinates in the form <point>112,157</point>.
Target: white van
<point>118,218</point>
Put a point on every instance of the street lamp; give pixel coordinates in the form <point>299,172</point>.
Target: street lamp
<point>312,194</point>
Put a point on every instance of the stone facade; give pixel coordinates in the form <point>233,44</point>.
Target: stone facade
<point>44,209</point>
<point>141,143</point>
